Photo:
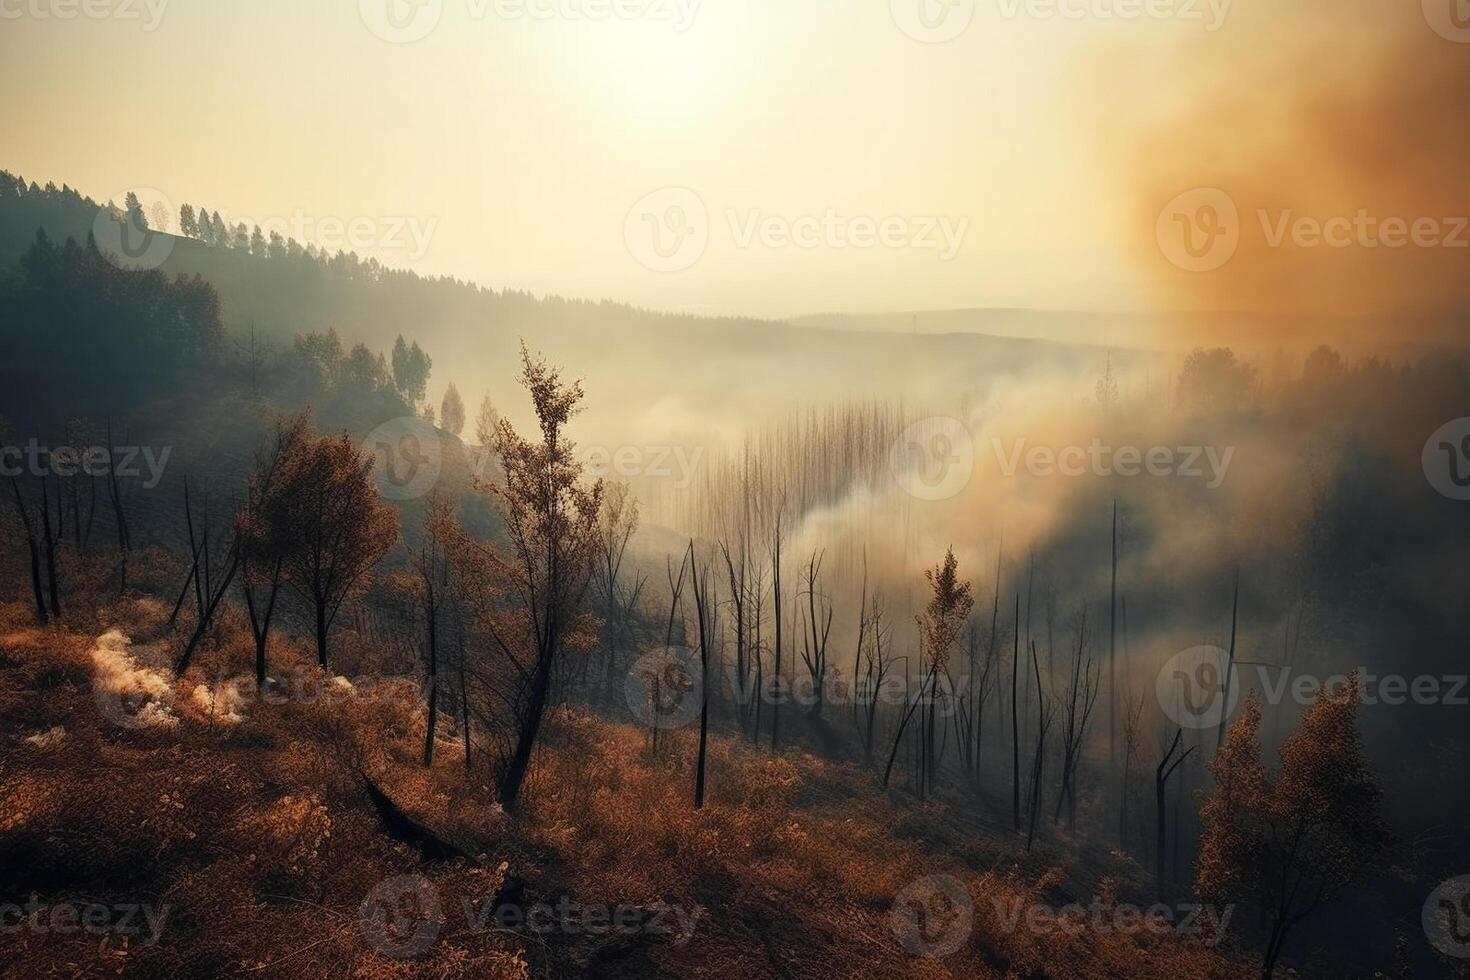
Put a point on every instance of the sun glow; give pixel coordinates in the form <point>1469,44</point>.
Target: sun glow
<point>654,73</point>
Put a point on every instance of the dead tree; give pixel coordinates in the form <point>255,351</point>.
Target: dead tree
<point>1046,711</point>
<point>211,606</point>
<point>940,622</point>
<point>1230,660</point>
<point>1030,590</point>
<point>1082,694</point>
<point>1132,730</point>
<point>43,614</point>
<point>903,723</point>
<point>80,530</point>
<point>862,638</point>
<point>875,674</point>
<point>173,616</point>
<point>1015,723</point>
<point>464,687</point>
<point>814,640</point>
<point>969,716</point>
<point>431,569</point>
<point>51,537</point>
<point>758,650</point>
<point>777,693</point>
<point>706,610</point>
<point>1161,781</point>
<point>676,592</point>
<point>617,524</point>
<point>198,574</point>
<point>739,602</point>
<point>1113,648</point>
<point>119,514</point>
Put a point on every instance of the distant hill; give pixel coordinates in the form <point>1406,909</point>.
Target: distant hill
<point>652,379</point>
<point>1163,331</point>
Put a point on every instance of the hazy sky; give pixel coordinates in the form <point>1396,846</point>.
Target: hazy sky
<point>834,156</point>
<point>523,142</point>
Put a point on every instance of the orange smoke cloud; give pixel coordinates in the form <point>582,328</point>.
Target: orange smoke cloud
<point>1310,163</point>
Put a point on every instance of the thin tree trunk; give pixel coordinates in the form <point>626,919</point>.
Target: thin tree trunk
<point>1230,662</point>
<point>1113,649</point>
<point>50,540</point>
<point>204,621</point>
<point>262,635</point>
<point>173,616</point>
<point>124,542</point>
<point>776,678</point>
<point>700,600</point>
<point>433,682</point>
<point>42,616</point>
<point>520,762</point>
<point>321,633</point>
<point>1015,723</point>
<point>464,696</point>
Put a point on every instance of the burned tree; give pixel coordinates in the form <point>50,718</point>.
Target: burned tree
<point>1081,696</point>
<point>551,521</point>
<point>939,625</point>
<point>617,525</point>
<point>706,608</point>
<point>33,547</point>
<point>1046,712</point>
<point>777,693</point>
<point>262,546</point>
<point>818,629</point>
<point>430,572</point>
<point>327,507</point>
<point>119,514</point>
<point>874,656</point>
<point>1165,770</point>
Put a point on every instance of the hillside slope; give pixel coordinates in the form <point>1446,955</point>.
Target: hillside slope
<point>246,827</point>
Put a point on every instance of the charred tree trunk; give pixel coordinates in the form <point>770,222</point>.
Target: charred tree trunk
<point>321,632</point>
<point>520,761</point>
<point>210,609</point>
<point>1230,660</point>
<point>1161,782</point>
<point>38,592</point>
<point>702,612</point>
<point>260,619</point>
<point>464,695</point>
<point>433,682</point>
<point>1016,723</point>
<point>52,540</point>
<point>119,515</point>
<point>1113,649</point>
<point>173,616</point>
<point>776,692</point>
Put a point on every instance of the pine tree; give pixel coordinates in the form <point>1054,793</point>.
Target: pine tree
<point>451,411</point>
